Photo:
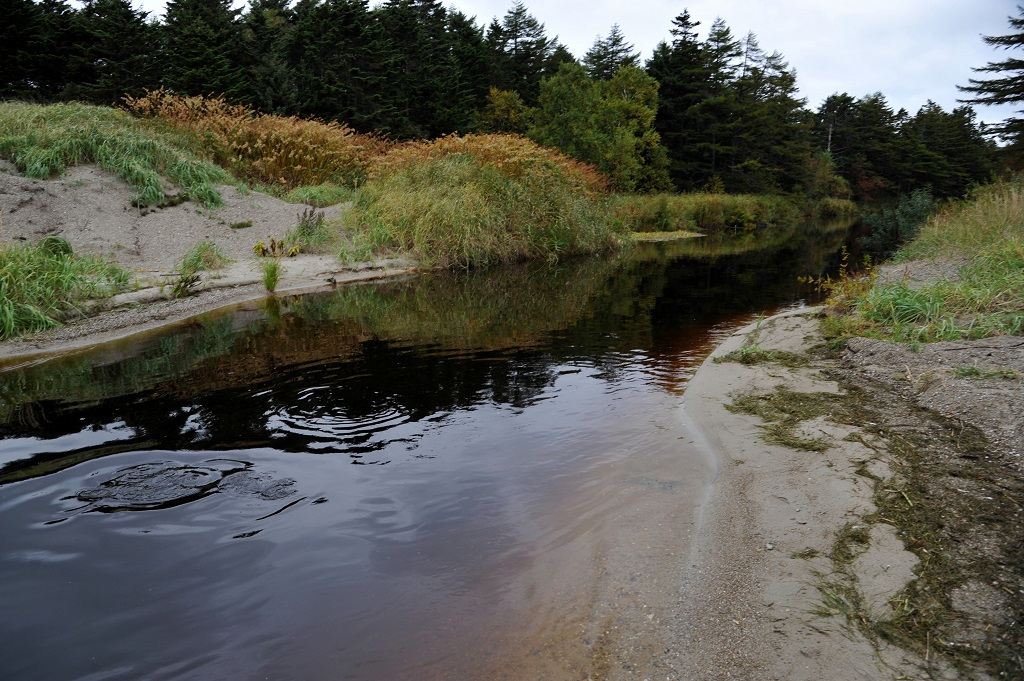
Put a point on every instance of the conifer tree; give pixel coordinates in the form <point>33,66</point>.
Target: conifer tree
<point>520,52</point>
<point>604,59</point>
<point>19,34</point>
<point>680,68</point>
<point>270,83</point>
<point>1007,87</point>
<point>117,55</point>
<point>202,48</point>
<point>340,57</point>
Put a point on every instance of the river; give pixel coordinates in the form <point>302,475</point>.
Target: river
<point>457,475</point>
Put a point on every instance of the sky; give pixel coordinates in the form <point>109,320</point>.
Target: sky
<point>911,51</point>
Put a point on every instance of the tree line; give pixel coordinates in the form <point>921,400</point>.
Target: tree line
<point>717,113</point>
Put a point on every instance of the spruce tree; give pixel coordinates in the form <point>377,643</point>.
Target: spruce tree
<point>680,68</point>
<point>270,84</point>
<point>119,52</point>
<point>18,37</point>
<point>604,59</point>
<point>203,48</point>
<point>520,53</point>
<point>340,57</point>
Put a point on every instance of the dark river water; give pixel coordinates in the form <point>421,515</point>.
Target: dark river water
<point>376,482</point>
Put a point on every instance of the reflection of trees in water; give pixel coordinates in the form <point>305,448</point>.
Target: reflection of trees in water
<point>412,348</point>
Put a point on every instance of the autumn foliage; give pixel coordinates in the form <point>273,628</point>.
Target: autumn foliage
<point>284,152</point>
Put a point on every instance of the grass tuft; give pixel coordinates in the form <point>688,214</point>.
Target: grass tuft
<point>479,200</point>
<point>40,284</point>
<point>271,271</point>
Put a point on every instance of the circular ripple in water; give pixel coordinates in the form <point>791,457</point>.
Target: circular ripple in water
<point>326,426</point>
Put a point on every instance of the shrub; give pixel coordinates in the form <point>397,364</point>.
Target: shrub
<point>890,228</point>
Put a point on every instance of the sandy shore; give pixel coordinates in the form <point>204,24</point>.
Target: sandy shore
<point>769,526</point>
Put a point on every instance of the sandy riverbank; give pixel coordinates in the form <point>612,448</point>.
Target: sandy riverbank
<point>797,572</point>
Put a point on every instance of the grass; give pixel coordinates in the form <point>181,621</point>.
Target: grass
<point>481,200</point>
<point>986,234</point>
<point>206,255</point>
<point>42,141</point>
<point>271,272</point>
<point>276,151</point>
<point>312,233</point>
<point>321,195</point>
<point>41,283</point>
<point>703,213</point>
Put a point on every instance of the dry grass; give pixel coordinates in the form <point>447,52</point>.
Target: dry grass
<point>282,152</point>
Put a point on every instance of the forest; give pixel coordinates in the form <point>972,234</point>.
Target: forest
<point>718,114</point>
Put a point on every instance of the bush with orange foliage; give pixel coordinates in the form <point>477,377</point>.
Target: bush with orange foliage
<point>284,152</point>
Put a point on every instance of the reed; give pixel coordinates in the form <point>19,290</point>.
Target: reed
<point>278,151</point>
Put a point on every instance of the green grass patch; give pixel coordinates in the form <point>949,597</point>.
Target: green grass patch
<point>40,284</point>
<point>481,200</point>
<point>321,195</point>
<point>206,255</point>
<point>703,213</point>
<point>42,141</point>
<point>986,233</point>
<point>313,233</point>
<point>270,270</point>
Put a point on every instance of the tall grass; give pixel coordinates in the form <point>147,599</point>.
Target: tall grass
<point>481,199</point>
<point>277,151</point>
<point>993,216</point>
<point>704,213</point>
<point>42,141</point>
<point>41,283</point>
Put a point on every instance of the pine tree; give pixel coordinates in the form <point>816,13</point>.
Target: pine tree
<point>1007,89</point>
<point>608,55</point>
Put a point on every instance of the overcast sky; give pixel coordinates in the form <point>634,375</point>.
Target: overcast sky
<point>909,50</point>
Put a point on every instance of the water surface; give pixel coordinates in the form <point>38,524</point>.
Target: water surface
<point>417,479</point>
